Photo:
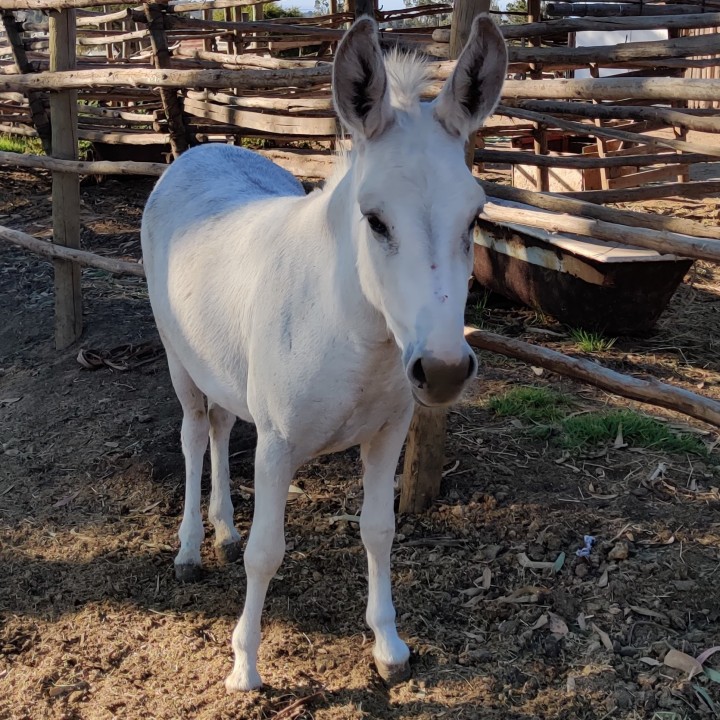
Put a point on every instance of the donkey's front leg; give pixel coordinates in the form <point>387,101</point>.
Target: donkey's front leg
<point>263,554</point>
<point>377,529</point>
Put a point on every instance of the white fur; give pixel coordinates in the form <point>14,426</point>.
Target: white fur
<point>287,311</point>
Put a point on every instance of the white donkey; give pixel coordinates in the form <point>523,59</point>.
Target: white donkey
<point>319,318</point>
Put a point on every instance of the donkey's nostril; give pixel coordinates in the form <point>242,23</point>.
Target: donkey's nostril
<point>471,367</point>
<point>418,373</point>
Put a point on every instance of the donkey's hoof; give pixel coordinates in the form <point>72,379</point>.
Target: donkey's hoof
<point>228,552</point>
<point>239,681</point>
<point>188,572</point>
<point>393,674</point>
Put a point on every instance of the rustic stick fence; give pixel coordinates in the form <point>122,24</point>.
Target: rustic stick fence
<point>163,81</point>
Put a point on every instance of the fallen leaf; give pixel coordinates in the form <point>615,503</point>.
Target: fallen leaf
<point>486,578</point>
<point>649,613</point>
<point>682,661</point>
<point>581,621</point>
<point>541,622</point>
<point>526,562</point>
<point>713,674</point>
<point>703,656</point>
<point>603,581</point>
<point>650,661</point>
<point>559,562</point>
<point>619,440</point>
<point>557,625</point>
<point>537,370</point>
<point>703,693</point>
<point>604,637</point>
<point>9,401</point>
<point>67,499</point>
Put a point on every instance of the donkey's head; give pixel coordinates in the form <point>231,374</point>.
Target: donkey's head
<point>416,201</point>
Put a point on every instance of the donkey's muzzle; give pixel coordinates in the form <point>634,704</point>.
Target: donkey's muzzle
<point>436,382</point>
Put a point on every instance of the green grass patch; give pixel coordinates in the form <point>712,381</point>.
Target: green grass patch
<point>537,404</point>
<point>20,144</point>
<point>637,431</point>
<point>591,341</point>
<point>551,415</point>
<point>475,313</point>
<point>33,145</point>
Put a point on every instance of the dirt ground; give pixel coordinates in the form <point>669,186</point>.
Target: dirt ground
<point>94,626</point>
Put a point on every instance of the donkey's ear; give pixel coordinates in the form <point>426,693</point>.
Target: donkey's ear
<point>360,86</point>
<point>473,90</point>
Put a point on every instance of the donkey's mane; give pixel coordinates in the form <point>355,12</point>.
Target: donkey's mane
<point>409,77</point>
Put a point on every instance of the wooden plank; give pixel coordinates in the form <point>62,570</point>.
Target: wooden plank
<point>581,208</point>
<point>65,186</point>
<point>280,124</point>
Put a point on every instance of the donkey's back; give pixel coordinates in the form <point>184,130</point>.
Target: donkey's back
<point>211,233</point>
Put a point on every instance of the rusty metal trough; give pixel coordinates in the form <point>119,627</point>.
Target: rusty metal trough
<point>583,282</point>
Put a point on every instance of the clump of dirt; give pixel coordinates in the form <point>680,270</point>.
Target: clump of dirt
<point>504,618</point>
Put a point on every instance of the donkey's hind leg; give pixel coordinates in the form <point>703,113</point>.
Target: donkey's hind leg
<point>227,538</point>
<point>194,437</point>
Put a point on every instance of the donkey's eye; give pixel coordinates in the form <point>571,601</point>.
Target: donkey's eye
<point>377,225</point>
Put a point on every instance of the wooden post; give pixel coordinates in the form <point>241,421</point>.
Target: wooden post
<point>36,99</point>
<point>168,96</point>
<point>425,449</point>
<point>424,460</point>
<point>540,142</point>
<point>65,186</point>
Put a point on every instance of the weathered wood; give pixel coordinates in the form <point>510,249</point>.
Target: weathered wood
<point>58,4</point>
<point>99,167</point>
<point>425,450</point>
<point>600,9</point>
<point>604,23</point>
<point>649,391</point>
<point>580,208</point>
<point>586,163</point>
<point>601,54</point>
<point>36,99</point>
<point>583,129</point>
<point>65,186</point>
<point>71,256</point>
<point>283,125</point>
<point>660,241</point>
<point>179,139</point>
<point>622,112</point>
<point>424,460</point>
<point>700,188</point>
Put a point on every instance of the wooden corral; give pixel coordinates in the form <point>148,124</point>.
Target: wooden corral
<point>161,78</point>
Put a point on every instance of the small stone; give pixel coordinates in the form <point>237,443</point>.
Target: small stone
<point>620,551</point>
<point>581,570</point>
<point>144,418</point>
<point>458,510</point>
